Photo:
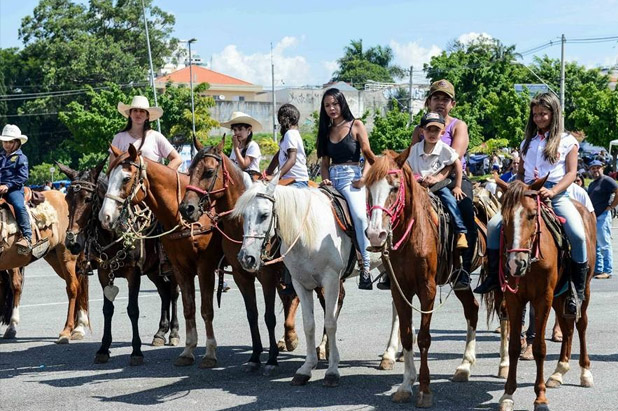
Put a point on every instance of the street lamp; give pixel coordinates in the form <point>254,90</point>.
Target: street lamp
<point>51,171</point>
<point>191,86</point>
<point>152,82</point>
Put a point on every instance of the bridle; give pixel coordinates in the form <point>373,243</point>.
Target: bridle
<point>204,195</point>
<point>77,186</point>
<point>266,237</point>
<point>395,210</point>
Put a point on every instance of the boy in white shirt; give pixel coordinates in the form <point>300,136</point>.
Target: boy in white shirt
<point>427,158</point>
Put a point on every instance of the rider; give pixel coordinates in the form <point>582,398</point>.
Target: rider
<point>547,150</point>
<point>341,139</point>
<point>441,99</point>
<point>13,176</point>
<point>246,152</point>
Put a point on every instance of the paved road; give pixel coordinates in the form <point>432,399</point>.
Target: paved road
<point>36,374</point>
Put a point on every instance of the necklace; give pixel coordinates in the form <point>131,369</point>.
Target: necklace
<point>340,124</point>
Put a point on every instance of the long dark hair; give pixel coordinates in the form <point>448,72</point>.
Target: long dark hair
<point>288,116</point>
<point>249,137</point>
<point>550,102</point>
<point>324,124</point>
<point>144,130</point>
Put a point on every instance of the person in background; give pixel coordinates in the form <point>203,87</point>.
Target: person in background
<point>47,186</point>
<point>63,188</point>
<point>245,152</point>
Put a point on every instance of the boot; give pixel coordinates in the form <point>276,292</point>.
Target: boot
<point>286,280</point>
<point>463,281</point>
<point>24,245</point>
<point>462,242</point>
<point>579,274</point>
<point>365,282</point>
<point>491,281</point>
<point>385,282</point>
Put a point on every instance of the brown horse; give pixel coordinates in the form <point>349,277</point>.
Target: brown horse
<point>84,197</point>
<point>11,287</point>
<point>58,256</point>
<point>535,274</point>
<point>399,215</point>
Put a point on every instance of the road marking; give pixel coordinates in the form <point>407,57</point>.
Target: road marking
<point>145,295</point>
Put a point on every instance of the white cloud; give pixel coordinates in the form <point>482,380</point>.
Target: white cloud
<point>472,37</point>
<point>413,54</point>
<point>330,66</point>
<point>256,68</point>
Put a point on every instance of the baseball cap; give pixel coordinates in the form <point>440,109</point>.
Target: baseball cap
<point>595,163</point>
<point>444,86</point>
<point>433,119</point>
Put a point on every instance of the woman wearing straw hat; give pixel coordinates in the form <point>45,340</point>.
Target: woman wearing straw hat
<point>246,152</point>
<point>13,176</point>
<point>152,144</point>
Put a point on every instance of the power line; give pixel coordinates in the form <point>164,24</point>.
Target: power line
<point>60,93</point>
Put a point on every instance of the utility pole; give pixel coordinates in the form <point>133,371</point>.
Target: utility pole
<point>152,83</point>
<point>562,81</point>
<point>410,101</point>
<point>272,65</point>
<point>192,100</point>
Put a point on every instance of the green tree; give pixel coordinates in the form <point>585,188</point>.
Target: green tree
<point>596,113</point>
<point>390,131</point>
<point>178,119</point>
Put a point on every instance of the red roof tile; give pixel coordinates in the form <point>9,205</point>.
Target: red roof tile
<point>201,75</point>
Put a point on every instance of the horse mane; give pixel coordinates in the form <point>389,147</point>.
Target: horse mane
<point>379,169</point>
<point>512,198</point>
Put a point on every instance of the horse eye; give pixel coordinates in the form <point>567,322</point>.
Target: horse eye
<point>532,216</point>
<point>209,172</point>
<point>263,216</point>
<point>88,199</point>
<point>126,180</point>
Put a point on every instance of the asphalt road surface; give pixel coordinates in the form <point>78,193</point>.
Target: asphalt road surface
<point>36,374</point>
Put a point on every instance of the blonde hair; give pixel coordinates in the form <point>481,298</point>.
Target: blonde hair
<point>549,101</point>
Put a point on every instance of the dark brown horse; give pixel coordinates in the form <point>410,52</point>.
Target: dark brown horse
<point>533,271</point>
<point>11,287</point>
<point>84,197</point>
<point>399,220</point>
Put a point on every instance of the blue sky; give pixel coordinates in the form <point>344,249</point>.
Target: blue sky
<point>309,36</point>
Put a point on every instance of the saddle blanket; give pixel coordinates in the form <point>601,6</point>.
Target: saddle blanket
<point>43,215</point>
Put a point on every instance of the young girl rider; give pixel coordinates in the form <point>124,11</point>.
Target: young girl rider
<point>13,176</point>
<point>341,139</point>
<point>545,150</point>
<point>245,152</point>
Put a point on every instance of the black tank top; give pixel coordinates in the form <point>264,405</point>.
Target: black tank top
<point>345,151</point>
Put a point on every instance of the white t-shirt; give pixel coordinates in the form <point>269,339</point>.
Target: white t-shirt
<point>156,147</point>
<point>431,164</point>
<point>254,153</point>
<point>535,165</point>
<point>580,194</point>
<point>292,140</point>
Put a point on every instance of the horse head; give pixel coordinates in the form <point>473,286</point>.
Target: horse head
<point>207,180</point>
<point>257,209</point>
<point>521,225</point>
<point>82,200</point>
<point>128,185</point>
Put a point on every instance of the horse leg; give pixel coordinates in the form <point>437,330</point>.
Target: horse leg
<point>164,292</point>
<point>331,312</point>
<point>207,287</point>
<point>269,280</point>
<point>187,287</point>
<point>289,341</point>
<point>15,286</point>
<point>175,326</point>
<point>81,318</point>
<point>585,378</point>
<point>515,309</point>
<point>566,325</point>
<point>388,358</point>
<point>303,374</point>
<point>321,348</point>
<point>425,396</point>
<point>406,331</point>
<point>542,306</point>
<point>471,312</point>
<point>503,368</point>
<point>55,260</point>
<point>246,284</point>
<point>103,354</point>
<point>134,280</point>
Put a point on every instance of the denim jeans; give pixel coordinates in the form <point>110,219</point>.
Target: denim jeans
<point>448,200</point>
<point>341,176</point>
<point>563,207</point>
<point>605,260</point>
<point>16,199</point>
<point>300,184</point>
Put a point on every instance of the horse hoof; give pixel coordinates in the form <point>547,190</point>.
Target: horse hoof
<point>281,345</point>
<point>425,400</point>
<point>158,341</point>
<point>63,339</point>
<point>136,360</point>
<point>270,370</point>
<point>251,367</point>
<point>400,357</point>
<point>101,358</point>
<point>503,372</point>
<point>386,364</point>
<point>208,363</point>
<point>174,341</point>
<point>77,335</point>
<point>10,333</point>
<point>300,379</point>
<point>553,383</point>
<point>331,380</point>
<point>461,375</point>
<point>291,345</point>
<point>541,407</point>
<point>321,354</point>
<point>507,405</point>
<point>184,361</point>
<point>401,396</point>
<point>586,382</point>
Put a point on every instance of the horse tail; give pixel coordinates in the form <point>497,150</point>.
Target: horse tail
<point>83,296</point>
<point>6,297</point>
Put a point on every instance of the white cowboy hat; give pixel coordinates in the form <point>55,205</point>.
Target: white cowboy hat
<point>242,118</point>
<point>11,132</point>
<point>140,102</point>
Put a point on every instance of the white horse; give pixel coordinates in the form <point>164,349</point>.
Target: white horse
<point>316,253</point>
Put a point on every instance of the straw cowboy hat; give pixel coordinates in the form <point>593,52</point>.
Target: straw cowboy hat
<point>11,132</point>
<point>140,102</point>
<point>242,118</point>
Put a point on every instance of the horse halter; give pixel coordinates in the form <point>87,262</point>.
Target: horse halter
<point>77,186</point>
<point>204,195</point>
<point>535,240</point>
<point>266,236</point>
<point>138,183</point>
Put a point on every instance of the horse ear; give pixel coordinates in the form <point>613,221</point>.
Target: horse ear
<point>99,168</point>
<point>221,143</point>
<point>115,150</point>
<point>72,174</point>
<point>403,157</point>
<point>270,189</point>
<point>196,143</point>
<point>132,152</point>
<point>539,183</point>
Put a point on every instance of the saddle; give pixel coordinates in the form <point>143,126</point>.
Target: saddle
<point>555,226</point>
<point>446,234</point>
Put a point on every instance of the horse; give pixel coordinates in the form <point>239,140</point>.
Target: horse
<point>534,271</point>
<point>84,197</point>
<point>53,214</point>
<point>399,215</point>
<point>11,287</point>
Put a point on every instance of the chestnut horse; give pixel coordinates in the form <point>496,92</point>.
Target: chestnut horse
<point>399,213</point>
<point>535,274</point>
<point>63,263</point>
<point>84,196</point>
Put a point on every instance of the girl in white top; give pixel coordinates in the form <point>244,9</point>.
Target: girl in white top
<point>245,152</point>
<point>291,157</point>
<point>151,143</point>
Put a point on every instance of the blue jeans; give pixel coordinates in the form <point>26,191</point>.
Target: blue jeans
<point>16,199</point>
<point>341,176</point>
<point>563,207</point>
<point>300,184</point>
<point>448,200</point>
<point>605,260</point>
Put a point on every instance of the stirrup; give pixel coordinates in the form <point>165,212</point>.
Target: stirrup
<point>364,282</point>
<point>385,282</point>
